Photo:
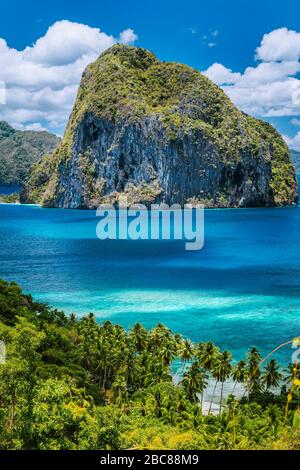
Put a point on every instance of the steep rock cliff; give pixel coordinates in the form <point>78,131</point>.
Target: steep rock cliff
<point>159,131</point>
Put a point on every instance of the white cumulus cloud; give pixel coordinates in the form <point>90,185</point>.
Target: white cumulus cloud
<point>65,42</point>
<point>293,142</point>
<point>221,75</point>
<point>128,36</point>
<point>280,44</point>
<point>272,87</point>
<point>35,126</point>
<point>41,81</point>
<point>295,122</point>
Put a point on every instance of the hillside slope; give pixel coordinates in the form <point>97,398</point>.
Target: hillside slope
<point>19,150</point>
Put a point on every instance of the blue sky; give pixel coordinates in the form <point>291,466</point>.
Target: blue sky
<point>197,33</point>
<point>163,26</point>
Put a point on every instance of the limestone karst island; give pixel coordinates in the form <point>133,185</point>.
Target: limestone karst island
<point>160,132</point>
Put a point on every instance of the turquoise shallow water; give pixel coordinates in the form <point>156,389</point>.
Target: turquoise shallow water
<point>242,289</point>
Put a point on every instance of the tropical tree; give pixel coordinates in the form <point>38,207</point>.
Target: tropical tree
<point>271,376</point>
<point>186,352</point>
<point>214,370</point>
<point>18,379</point>
<point>139,337</point>
<point>158,336</point>
<point>239,374</point>
<point>119,389</point>
<point>168,352</point>
<point>223,369</point>
<point>194,383</point>
<point>206,354</point>
<point>103,362</point>
<point>254,373</point>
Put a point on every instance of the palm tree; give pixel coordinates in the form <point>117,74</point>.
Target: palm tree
<point>129,363</point>
<point>88,326</point>
<point>223,437</point>
<point>215,374</point>
<point>107,325</point>
<point>158,336</point>
<point>223,368</point>
<point>73,319</point>
<point>186,352</point>
<point>168,352</point>
<point>85,354</point>
<point>119,390</point>
<point>254,373</point>
<point>194,382</point>
<point>206,354</point>
<point>271,377</point>
<point>178,340</point>
<point>103,362</point>
<point>239,374</point>
<point>160,401</point>
<point>156,373</point>
<point>139,337</point>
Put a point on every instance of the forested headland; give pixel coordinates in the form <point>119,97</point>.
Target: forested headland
<point>68,383</point>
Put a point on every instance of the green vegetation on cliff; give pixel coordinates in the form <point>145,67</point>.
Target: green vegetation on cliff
<point>175,112</point>
<point>19,150</point>
<point>76,384</point>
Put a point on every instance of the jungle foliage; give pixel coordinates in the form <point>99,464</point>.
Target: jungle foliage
<point>71,383</point>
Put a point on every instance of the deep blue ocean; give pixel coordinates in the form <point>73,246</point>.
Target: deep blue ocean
<point>242,289</point>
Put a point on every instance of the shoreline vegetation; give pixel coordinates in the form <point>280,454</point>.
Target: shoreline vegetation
<point>13,198</point>
<point>69,383</point>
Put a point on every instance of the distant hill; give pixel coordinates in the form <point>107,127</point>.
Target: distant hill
<point>19,150</point>
<point>296,160</point>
